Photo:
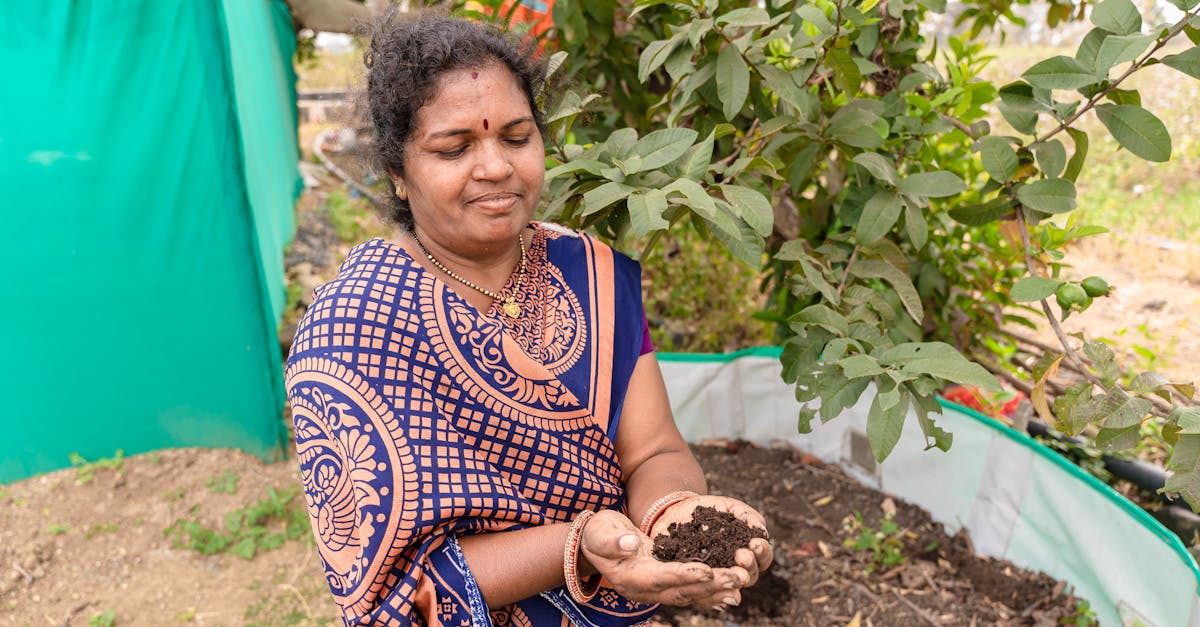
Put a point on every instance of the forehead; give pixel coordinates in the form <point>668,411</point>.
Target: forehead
<point>463,98</point>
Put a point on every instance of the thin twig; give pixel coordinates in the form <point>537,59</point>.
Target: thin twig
<point>849,264</point>
<point>959,124</point>
<point>1072,356</point>
<point>919,612</point>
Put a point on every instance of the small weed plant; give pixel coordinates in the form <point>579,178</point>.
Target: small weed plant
<point>103,619</point>
<point>886,544</point>
<point>225,483</point>
<point>57,530</point>
<point>98,529</point>
<point>1082,617</point>
<point>261,526</point>
<point>85,471</point>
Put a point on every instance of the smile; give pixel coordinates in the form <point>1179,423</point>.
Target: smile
<point>495,202</point>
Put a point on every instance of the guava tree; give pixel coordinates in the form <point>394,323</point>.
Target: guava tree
<point>832,144</point>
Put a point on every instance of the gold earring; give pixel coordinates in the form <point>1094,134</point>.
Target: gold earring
<point>400,191</point>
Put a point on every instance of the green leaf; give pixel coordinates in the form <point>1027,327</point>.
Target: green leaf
<point>605,195</point>
<point>751,16</point>
<point>1051,157</point>
<point>1118,439</point>
<point>804,422</point>
<point>1089,48</point>
<point>1119,410</point>
<point>752,207</point>
<point>1034,288</point>
<point>846,72</point>
<point>1075,165</point>
<point>1022,120</point>
<point>835,399</point>
<point>662,147</point>
<point>590,166</point>
<point>1137,130</point>
<point>646,211</point>
<point>698,158</point>
<point>879,166</point>
<point>824,317</point>
<point>915,225</point>
<point>878,217</point>
<point>885,422</point>
<point>1117,16</point>
<point>1048,195</point>
<point>1148,382</point>
<point>1186,62</point>
<point>733,81</point>
<point>1185,5</point>
<point>940,360</point>
<point>1103,360</point>
<point>999,158</point>
<point>784,85</point>
<point>1118,49</point>
<point>899,279</point>
<point>741,240</point>
<point>856,366</point>
<point>1060,72</point>
<point>932,184</point>
<point>657,53</point>
<point>855,126</point>
<point>979,215</point>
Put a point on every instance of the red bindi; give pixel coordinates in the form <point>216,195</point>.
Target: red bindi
<point>474,75</point>
<point>485,124</point>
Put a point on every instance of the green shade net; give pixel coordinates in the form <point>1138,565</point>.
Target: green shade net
<point>149,163</point>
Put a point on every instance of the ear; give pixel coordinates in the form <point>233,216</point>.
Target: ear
<point>401,189</point>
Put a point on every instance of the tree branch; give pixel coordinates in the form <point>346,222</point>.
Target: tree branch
<point>1135,66</point>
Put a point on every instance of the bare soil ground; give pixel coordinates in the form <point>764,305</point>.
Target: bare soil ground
<point>70,552</point>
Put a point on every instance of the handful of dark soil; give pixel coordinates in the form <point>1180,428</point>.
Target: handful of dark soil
<point>711,537</point>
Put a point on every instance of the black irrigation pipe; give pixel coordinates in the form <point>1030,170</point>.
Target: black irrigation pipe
<point>1142,474</point>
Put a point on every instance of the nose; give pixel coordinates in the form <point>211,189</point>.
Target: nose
<point>493,163</point>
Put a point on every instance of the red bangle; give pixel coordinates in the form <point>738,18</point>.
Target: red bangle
<point>662,505</point>
<point>571,562</point>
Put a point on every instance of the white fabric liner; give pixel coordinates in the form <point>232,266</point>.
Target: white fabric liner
<point>1018,501</point>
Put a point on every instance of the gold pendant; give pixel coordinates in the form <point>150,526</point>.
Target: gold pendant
<point>512,308</point>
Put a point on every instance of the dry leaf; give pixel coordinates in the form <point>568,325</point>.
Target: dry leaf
<point>856,621</point>
<point>824,548</point>
<point>823,501</point>
<point>819,600</point>
<point>889,507</point>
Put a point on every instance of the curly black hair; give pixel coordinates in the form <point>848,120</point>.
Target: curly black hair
<point>406,57</point>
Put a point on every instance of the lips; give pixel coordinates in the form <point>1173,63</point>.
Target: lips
<point>495,201</point>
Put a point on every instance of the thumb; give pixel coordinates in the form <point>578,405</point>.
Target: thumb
<point>607,538</point>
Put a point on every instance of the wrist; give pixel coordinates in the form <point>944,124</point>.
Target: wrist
<point>660,507</point>
<point>580,575</point>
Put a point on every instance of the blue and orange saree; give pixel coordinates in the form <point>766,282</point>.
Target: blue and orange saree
<point>418,420</point>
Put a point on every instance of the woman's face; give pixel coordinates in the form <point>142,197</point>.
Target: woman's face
<point>474,162</point>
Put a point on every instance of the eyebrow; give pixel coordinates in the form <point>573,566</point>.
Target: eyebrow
<point>467,131</point>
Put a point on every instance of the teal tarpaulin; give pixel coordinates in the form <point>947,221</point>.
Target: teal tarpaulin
<point>149,160</point>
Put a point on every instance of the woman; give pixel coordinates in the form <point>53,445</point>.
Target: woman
<point>479,415</point>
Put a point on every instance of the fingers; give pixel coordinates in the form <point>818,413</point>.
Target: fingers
<point>609,537</point>
<point>763,553</point>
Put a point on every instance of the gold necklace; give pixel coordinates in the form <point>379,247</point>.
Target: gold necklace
<point>510,306</point>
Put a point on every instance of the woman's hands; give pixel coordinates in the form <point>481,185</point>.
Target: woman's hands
<point>752,560</point>
<point>614,547</point>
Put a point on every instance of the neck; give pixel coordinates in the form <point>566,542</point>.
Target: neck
<point>488,266</point>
